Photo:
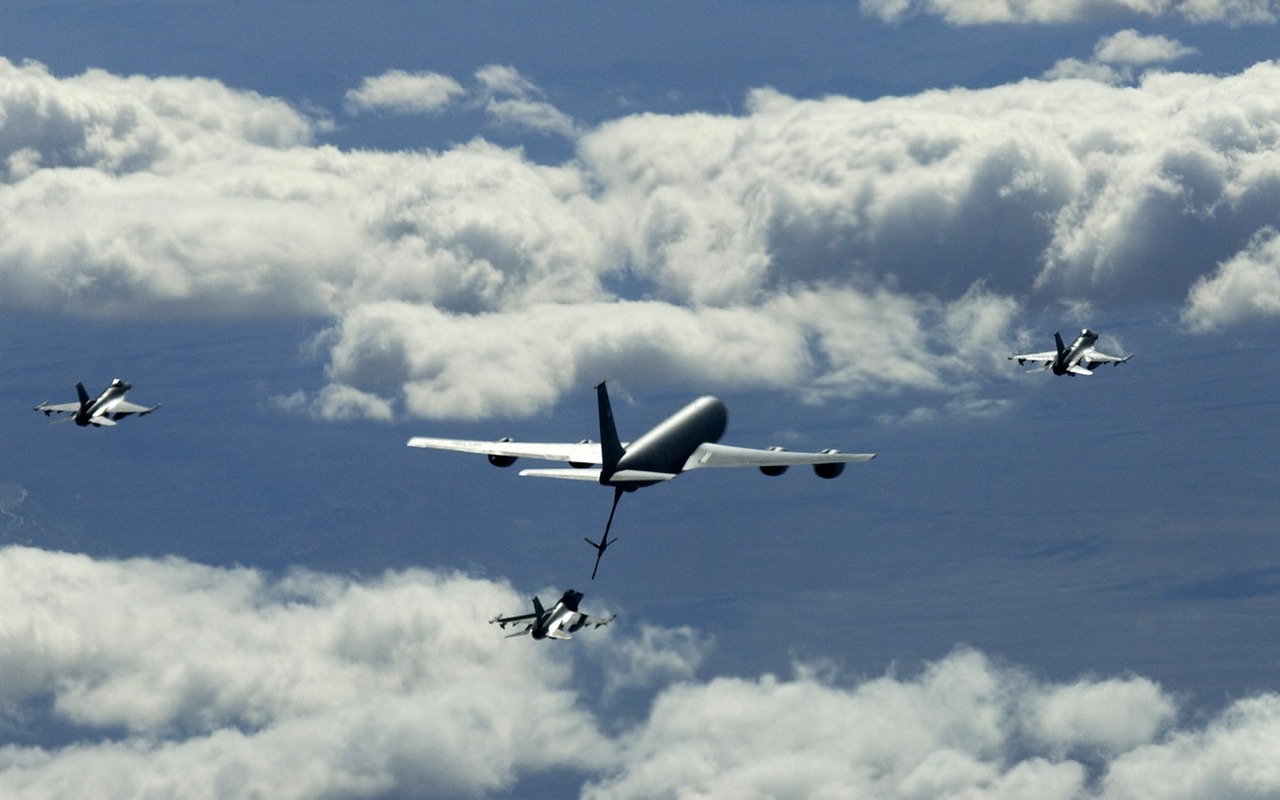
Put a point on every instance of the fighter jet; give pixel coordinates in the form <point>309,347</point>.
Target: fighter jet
<point>1078,359</point>
<point>558,623</point>
<point>684,441</point>
<point>100,412</point>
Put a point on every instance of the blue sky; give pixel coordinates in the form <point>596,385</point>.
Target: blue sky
<point>314,230</point>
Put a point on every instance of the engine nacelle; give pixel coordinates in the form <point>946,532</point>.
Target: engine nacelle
<point>502,461</point>
<point>774,471</point>
<point>829,471</point>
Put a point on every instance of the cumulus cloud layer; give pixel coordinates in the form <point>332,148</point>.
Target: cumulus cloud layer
<point>988,12</point>
<point>172,679</point>
<point>837,247</point>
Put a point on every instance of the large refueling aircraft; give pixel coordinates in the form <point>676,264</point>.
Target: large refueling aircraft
<point>684,441</point>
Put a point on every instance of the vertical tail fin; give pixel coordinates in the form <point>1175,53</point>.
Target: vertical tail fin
<point>1062,348</point>
<point>84,396</point>
<point>610,447</point>
<point>537,607</point>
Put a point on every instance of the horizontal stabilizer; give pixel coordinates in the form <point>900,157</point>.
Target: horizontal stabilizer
<point>102,422</point>
<point>593,475</point>
<point>639,476</point>
<point>570,474</point>
<point>1079,370</point>
<point>558,634</point>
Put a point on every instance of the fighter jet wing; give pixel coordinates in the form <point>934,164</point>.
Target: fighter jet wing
<point>596,622</point>
<point>1094,357</point>
<point>723,455</point>
<point>580,621</point>
<point>1043,358</point>
<point>578,453</point>
<point>503,622</point>
<point>58,408</point>
<point>124,408</point>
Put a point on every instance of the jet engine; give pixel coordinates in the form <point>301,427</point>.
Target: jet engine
<point>774,471</point>
<point>502,461</point>
<point>828,471</point>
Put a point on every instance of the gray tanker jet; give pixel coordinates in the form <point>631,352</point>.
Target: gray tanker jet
<point>1078,359</point>
<point>684,441</point>
<point>557,623</point>
<point>102,411</point>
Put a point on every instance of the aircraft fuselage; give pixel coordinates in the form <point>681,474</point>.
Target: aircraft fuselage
<point>559,618</point>
<point>1071,356</point>
<point>666,447</point>
<point>102,406</point>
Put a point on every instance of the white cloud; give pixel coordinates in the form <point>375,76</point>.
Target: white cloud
<point>1116,56</point>
<point>520,361</point>
<point>658,657</point>
<point>182,680</point>
<point>1131,47</point>
<point>952,731</point>
<point>498,79</point>
<point>531,114</point>
<point>404,93</point>
<point>229,683</point>
<point>834,247</point>
<point>338,401</point>
<point>511,99</point>
<point>1113,716</point>
<point>1245,287</point>
<point>1231,758</point>
<point>988,12</point>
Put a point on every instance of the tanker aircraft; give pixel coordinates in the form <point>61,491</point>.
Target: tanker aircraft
<point>100,412</point>
<point>557,623</point>
<point>1078,359</point>
<point>684,441</point>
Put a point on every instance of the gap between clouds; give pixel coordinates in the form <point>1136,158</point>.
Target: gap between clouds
<point>178,679</point>
<point>770,247</point>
